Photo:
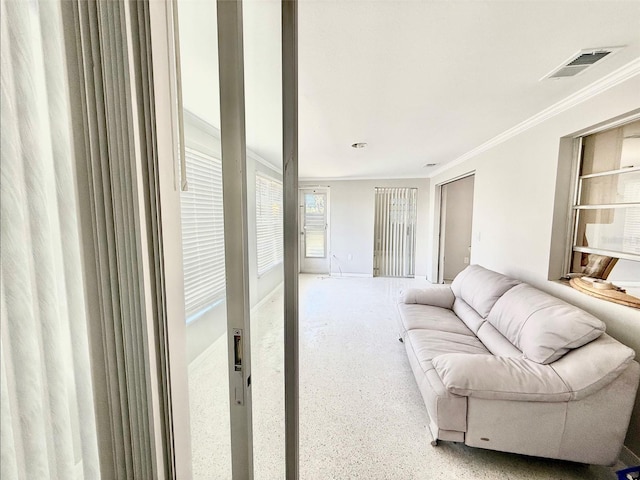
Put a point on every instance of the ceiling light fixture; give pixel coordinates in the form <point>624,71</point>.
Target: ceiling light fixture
<point>359,145</point>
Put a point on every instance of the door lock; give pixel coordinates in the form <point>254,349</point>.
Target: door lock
<point>237,349</point>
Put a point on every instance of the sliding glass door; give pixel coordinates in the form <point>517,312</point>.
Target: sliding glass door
<point>221,108</point>
<point>262,53</point>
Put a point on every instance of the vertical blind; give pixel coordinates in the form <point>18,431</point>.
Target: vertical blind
<point>202,232</point>
<point>48,428</point>
<point>268,222</point>
<point>395,232</point>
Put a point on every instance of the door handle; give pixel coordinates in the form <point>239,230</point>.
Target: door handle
<point>238,374</point>
<point>237,349</point>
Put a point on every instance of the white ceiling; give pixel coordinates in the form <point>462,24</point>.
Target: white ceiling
<point>425,82</point>
<point>419,81</point>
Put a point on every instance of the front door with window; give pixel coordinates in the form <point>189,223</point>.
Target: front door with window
<point>314,228</point>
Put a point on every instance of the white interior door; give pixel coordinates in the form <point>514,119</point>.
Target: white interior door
<point>314,231</point>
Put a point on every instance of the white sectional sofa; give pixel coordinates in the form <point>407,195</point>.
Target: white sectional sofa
<point>504,366</point>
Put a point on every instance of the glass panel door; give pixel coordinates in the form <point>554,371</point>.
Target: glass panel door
<point>202,239</point>
<point>229,331</point>
<point>262,44</point>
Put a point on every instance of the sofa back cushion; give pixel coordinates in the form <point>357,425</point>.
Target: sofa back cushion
<point>543,327</point>
<point>481,288</point>
<point>495,342</point>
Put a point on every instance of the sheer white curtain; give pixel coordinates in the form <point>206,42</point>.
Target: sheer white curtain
<point>48,420</point>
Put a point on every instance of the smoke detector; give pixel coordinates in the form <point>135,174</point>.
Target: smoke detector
<point>579,62</point>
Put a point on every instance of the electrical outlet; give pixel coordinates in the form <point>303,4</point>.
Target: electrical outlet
<point>466,260</point>
<point>349,257</point>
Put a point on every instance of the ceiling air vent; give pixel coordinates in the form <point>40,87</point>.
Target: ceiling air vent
<point>579,62</point>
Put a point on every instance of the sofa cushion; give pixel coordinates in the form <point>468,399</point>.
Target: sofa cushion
<point>542,326</point>
<point>481,288</point>
<point>446,410</point>
<point>415,316</point>
<point>428,344</point>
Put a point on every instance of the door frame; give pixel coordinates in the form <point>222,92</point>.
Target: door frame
<point>301,256</point>
<point>439,219</point>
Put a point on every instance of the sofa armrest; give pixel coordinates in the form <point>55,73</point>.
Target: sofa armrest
<point>593,366</point>
<point>435,295</point>
<point>500,378</point>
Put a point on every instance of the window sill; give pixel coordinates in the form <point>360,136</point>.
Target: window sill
<point>612,296</point>
<point>270,269</point>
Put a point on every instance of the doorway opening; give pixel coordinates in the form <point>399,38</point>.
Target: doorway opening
<point>394,232</point>
<point>456,215</point>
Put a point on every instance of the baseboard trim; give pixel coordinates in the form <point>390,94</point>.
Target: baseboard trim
<point>629,458</point>
<point>267,297</point>
<point>357,275</point>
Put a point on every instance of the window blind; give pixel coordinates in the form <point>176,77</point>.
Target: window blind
<point>202,232</point>
<point>395,231</point>
<point>268,222</point>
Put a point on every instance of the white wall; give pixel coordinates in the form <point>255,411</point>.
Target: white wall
<point>352,218</point>
<point>520,210</point>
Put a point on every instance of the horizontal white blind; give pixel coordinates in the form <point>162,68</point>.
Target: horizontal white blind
<point>202,232</point>
<point>268,222</point>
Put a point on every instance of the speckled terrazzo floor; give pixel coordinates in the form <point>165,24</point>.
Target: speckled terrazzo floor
<point>361,414</point>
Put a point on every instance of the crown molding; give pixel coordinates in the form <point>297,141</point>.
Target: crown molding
<point>360,178</point>
<point>205,127</point>
<point>616,77</point>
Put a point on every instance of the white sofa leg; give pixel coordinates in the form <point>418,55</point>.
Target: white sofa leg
<point>434,442</point>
